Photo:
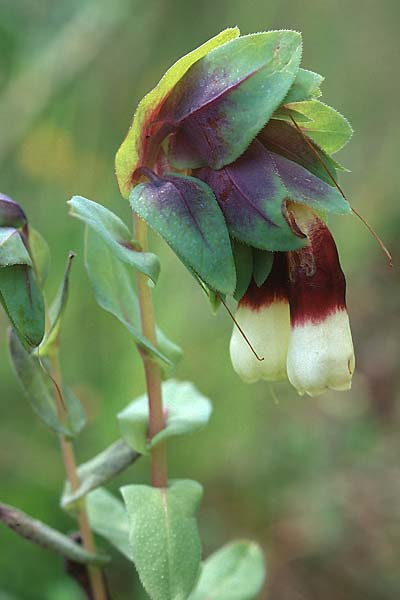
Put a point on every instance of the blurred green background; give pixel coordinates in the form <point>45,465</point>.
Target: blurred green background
<point>315,481</point>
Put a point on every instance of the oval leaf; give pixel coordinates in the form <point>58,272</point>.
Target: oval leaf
<point>305,86</point>
<point>23,302</point>
<point>235,572</point>
<point>186,411</point>
<point>133,150</point>
<point>183,210</point>
<point>325,125</point>
<point>40,391</point>
<point>112,284</point>
<point>108,517</point>
<point>12,249</point>
<point>224,99</point>
<point>164,540</point>
<point>252,190</point>
<point>115,234</point>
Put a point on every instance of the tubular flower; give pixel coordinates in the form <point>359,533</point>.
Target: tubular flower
<point>263,313</point>
<point>320,354</point>
<point>220,157</point>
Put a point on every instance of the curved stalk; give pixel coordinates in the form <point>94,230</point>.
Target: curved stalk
<point>159,474</point>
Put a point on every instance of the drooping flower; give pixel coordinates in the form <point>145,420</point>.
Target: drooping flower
<point>263,313</point>
<point>320,354</point>
<point>220,158</point>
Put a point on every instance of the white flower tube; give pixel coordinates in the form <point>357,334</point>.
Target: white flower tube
<point>263,315</point>
<point>320,354</point>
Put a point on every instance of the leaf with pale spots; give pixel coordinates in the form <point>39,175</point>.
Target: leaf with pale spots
<point>135,147</point>
<point>235,572</point>
<point>183,210</point>
<point>164,539</point>
<point>227,97</point>
<point>108,517</point>
<point>186,409</point>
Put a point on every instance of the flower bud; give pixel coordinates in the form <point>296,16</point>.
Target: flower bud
<point>263,315</point>
<point>11,214</point>
<point>320,354</point>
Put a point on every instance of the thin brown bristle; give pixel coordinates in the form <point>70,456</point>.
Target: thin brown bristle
<point>260,358</point>
<point>326,168</point>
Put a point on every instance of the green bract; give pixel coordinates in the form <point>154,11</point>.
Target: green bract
<point>232,133</point>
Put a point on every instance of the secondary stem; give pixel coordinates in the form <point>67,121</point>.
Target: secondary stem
<point>95,575</point>
<point>159,474</point>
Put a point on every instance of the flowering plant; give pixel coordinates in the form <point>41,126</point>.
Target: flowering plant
<point>229,159</point>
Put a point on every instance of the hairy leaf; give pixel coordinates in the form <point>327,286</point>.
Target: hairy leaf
<point>183,210</point>
<point>139,143</point>
<point>224,100</point>
<point>164,540</point>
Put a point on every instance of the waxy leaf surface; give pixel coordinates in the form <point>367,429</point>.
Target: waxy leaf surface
<point>183,210</point>
<point>135,147</point>
<point>187,410</point>
<point>23,302</point>
<point>112,283</point>
<point>56,313</point>
<point>252,190</point>
<point>235,572</point>
<point>227,97</point>
<point>40,391</point>
<point>325,125</point>
<point>164,540</point>
<point>12,249</point>
<point>115,234</point>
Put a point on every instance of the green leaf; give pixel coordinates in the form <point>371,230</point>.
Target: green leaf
<point>56,313</point>
<point>115,234</point>
<point>40,252</point>
<point>12,249</point>
<point>23,302</point>
<point>183,210</point>
<point>305,86</point>
<point>41,534</point>
<point>40,391</point>
<point>112,284</point>
<point>262,265</point>
<point>131,153</point>
<point>187,410</point>
<point>98,471</point>
<point>108,517</point>
<point>235,572</point>
<point>244,268</point>
<point>226,98</point>
<point>325,125</point>
<point>164,540</point>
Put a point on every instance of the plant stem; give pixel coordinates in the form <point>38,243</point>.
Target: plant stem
<point>159,474</point>
<point>95,574</point>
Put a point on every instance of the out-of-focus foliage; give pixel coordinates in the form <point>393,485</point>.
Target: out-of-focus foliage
<point>314,481</point>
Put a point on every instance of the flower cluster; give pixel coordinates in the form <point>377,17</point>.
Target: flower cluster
<point>229,160</point>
